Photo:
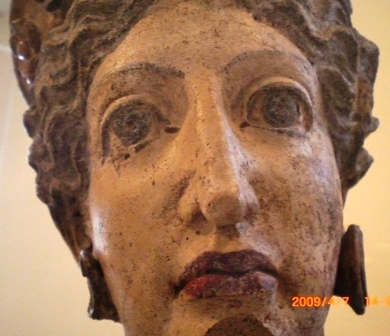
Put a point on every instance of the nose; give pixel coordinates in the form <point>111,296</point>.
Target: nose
<point>219,189</point>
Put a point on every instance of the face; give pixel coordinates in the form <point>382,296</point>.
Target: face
<point>214,195</point>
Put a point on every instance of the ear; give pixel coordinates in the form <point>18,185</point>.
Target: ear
<point>101,305</point>
<point>31,21</point>
<point>351,275</point>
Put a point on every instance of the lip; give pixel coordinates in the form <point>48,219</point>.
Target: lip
<point>240,273</point>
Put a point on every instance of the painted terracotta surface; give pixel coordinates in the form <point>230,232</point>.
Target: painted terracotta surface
<point>196,156</point>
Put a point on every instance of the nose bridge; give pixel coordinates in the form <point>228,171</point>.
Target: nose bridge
<point>223,194</point>
<point>216,140</point>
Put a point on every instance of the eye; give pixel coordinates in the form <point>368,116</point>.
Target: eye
<point>277,107</point>
<point>130,126</point>
<point>133,121</point>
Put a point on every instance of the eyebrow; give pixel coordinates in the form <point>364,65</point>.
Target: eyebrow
<point>255,54</point>
<point>277,57</point>
<point>149,67</point>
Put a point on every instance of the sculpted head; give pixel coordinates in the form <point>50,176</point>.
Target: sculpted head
<point>196,156</point>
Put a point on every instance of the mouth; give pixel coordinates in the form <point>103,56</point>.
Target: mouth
<point>240,273</point>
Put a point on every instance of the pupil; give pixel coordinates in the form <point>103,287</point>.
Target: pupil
<point>132,122</point>
<point>281,109</point>
<point>136,127</point>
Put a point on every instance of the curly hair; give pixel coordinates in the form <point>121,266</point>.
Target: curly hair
<point>346,65</point>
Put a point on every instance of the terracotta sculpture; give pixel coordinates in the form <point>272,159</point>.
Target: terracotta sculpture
<point>196,155</point>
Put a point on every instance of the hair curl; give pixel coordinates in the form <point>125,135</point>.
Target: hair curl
<point>346,64</point>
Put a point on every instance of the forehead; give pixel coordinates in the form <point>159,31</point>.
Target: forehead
<point>173,38</point>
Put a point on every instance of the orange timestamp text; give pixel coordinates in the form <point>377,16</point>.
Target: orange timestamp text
<point>377,301</point>
<point>318,301</point>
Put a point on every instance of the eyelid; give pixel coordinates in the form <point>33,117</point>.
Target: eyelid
<point>280,82</point>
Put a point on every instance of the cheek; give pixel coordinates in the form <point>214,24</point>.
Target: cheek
<point>301,214</point>
<point>134,220</point>
<point>133,242</point>
<point>318,230</point>
<point>127,212</point>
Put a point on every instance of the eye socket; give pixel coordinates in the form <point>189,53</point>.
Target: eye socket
<point>278,107</point>
<point>130,125</point>
<point>133,121</point>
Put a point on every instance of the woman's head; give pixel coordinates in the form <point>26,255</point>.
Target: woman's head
<point>202,168</point>
<point>345,61</point>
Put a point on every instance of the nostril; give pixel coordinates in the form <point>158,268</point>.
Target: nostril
<point>199,218</point>
<point>199,224</point>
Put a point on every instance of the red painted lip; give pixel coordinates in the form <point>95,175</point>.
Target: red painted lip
<point>246,272</point>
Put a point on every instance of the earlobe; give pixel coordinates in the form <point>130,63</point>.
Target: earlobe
<point>351,276</point>
<point>101,305</point>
